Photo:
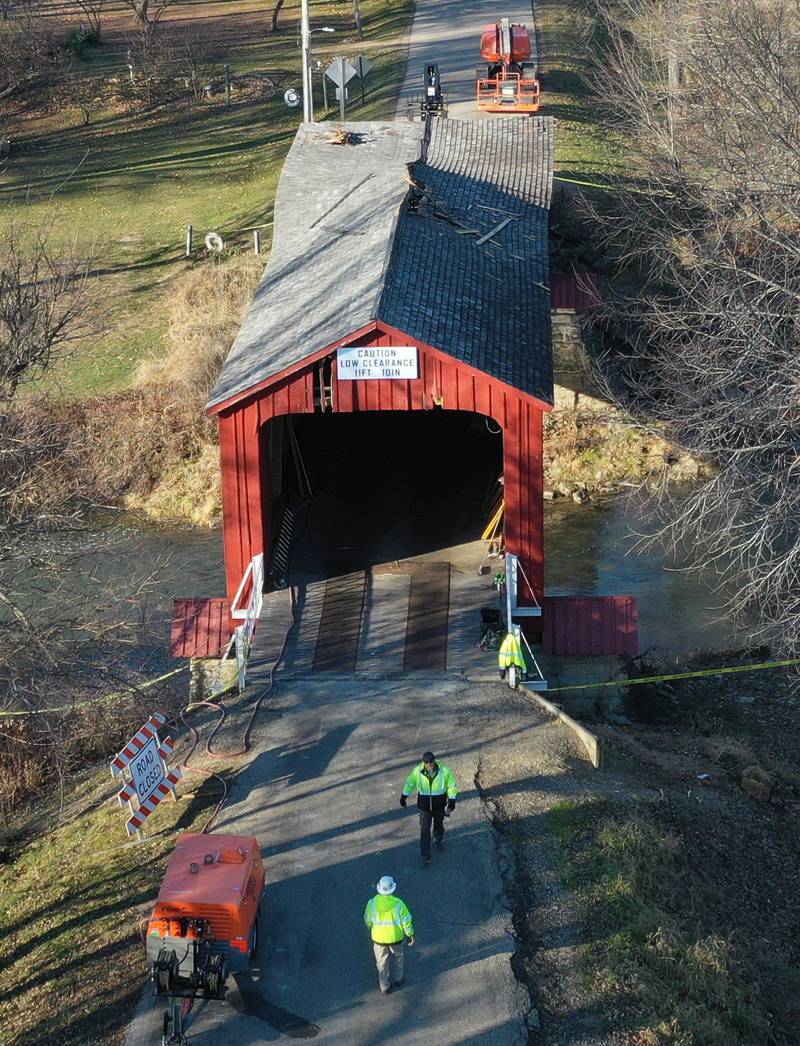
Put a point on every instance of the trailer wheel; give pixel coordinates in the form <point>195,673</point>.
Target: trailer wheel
<point>254,936</point>
<point>214,980</point>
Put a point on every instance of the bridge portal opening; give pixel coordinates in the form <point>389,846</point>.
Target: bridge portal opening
<point>385,485</point>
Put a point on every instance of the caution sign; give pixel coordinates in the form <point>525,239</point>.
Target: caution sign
<point>377,362</point>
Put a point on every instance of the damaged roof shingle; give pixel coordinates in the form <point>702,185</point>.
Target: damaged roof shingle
<point>454,255</point>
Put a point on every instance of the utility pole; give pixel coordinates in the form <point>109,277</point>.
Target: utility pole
<point>305,40</point>
<point>342,88</point>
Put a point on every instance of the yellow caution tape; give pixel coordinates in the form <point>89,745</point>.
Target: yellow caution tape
<point>615,186</point>
<point>102,699</point>
<point>677,675</point>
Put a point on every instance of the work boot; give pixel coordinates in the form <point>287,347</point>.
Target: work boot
<point>439,844</point>
<point>426,858</point>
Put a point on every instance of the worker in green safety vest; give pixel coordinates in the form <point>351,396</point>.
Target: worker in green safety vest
<point>510,653</point>
<point>390,924</point>
<point>435,785</point>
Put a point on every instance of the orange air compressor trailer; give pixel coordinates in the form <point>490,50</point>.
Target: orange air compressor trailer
<point>507,82</point>
<point>205,922</point>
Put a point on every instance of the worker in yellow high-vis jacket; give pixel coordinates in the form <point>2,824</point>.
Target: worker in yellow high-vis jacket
<point>510,654</point>
<point>435,785</point>
<point>390,925</point>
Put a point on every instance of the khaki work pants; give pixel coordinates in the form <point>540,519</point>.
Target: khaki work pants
<point>389,960</point>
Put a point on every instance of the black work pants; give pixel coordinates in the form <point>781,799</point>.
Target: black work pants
<point>426,820</point>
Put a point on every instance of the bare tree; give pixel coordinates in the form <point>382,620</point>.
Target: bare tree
<point>705,304</point>
<point>199,64</point>
<point>148,54</point>
<point>28,53</point>
<point>85,93</point>
<point>43,305</point>
<point>275,13</point>
<point>93,11</point>
<point>148,12</point>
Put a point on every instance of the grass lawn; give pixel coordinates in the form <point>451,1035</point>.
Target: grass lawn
<point>585,149</point>
<point>71,912</point>
<point>673,953</point>
<point>132,180</point>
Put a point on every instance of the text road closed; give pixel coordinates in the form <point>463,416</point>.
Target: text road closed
<point>147,770</point>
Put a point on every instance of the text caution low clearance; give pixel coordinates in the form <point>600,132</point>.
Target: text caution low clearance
<point>377,362</point>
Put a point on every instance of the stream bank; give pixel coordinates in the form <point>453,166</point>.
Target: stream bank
<point>655,901</point>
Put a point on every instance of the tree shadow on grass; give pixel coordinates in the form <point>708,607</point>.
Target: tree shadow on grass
<point>101,890</point>
<point>87,1028</point>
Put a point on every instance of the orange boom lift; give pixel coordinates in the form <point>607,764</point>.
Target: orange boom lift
<point>508,81</point>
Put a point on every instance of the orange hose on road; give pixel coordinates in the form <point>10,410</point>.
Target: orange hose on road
<point>223,714</point>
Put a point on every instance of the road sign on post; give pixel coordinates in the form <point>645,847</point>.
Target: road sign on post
<point>340,71</point>
<point>143,760</point>
<point>343,78</point>
<point>363,66</point>
<point>147,770</point>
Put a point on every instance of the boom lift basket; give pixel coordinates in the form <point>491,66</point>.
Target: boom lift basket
<point>508,81</point>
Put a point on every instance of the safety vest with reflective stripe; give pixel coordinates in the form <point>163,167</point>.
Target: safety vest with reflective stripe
<point>388,919</point>
<point>444,783</point>
<point>510,653</point>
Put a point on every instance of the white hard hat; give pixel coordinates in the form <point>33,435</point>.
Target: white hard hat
<point>386,885</point>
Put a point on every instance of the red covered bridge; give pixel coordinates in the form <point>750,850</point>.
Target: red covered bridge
<point>436,248</point>
<point>408,279</point>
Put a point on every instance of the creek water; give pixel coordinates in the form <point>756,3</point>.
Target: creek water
<point>589,550</point>
<point>116,570</point>
<point>129,568</point>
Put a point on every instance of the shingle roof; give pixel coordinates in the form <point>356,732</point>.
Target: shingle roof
<point>358,241</point>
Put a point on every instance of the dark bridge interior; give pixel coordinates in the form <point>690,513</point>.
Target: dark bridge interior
<point>389,485</point>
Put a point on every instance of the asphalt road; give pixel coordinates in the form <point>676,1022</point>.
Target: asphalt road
<point>322,797</point>
<point>449,32</point>
<point>322,793</point>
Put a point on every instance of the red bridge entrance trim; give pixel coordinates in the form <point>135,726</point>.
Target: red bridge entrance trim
<point>586,625</point>
<point>200,627</point>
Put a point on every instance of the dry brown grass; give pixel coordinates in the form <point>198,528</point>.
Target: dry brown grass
<point>207,310</point>
<point>189,492</point>
<point>673,955</point>
<point>151,448</point>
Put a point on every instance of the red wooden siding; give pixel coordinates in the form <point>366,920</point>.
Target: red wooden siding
<point>584,625</point>
<point>245,491</point>
<point>574,292</point>
<point>523,482</point>
<point>443,383</point>
<point>200,627</point>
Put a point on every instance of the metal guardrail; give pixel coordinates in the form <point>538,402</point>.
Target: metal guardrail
<point>513,609</point>
<point>249,615</point>
<point>513,569</point>
<point>533,684</point>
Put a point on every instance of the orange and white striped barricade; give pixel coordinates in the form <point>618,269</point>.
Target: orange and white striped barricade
<point>143,768</point>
